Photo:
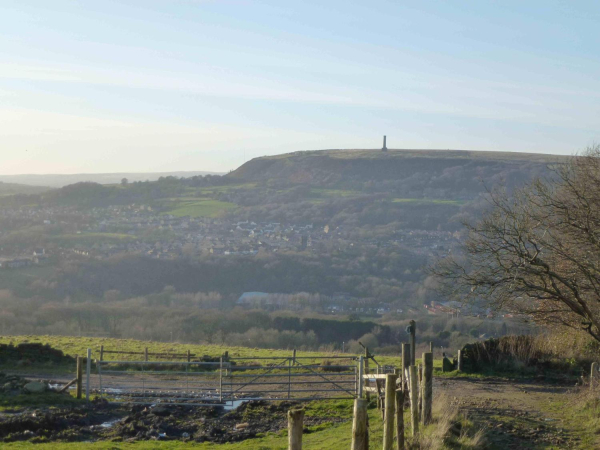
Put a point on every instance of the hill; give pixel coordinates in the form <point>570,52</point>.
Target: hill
<point>60,180</point>
<point>15,188</point>
<point>415,173</point>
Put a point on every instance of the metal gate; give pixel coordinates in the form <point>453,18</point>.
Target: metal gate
<point>229,381</point>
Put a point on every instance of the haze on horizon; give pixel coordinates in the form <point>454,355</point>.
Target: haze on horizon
<point>202,85</point>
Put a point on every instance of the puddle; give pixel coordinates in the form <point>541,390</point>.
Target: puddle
<point>230,406</point>
<point>110,423</point>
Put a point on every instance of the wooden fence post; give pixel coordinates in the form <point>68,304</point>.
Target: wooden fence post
<point>390,408</point>
<point>79,376</point>
<point>101,352</point>
<point>593,373</point>
<point>360,430</point>
<point>427,387</point>
<point>366,368</point>
<point>414,400</point>
<point>189,356</point>
<point>420,374</point>
<point>431,347</point>
<point>295,426</point>
<point>146,354</point>
<point>400,419</point>
<point>459,366</point>
<point>405,364</point>
<point>413,332</point>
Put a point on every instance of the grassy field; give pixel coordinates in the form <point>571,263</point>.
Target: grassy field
<point>201,208</point>
<point>428,201</point>
<point>73,346</point>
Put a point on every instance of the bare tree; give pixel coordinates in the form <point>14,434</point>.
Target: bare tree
<point>537,252</point>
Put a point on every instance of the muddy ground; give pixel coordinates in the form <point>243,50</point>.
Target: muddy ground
<point>101,421</point>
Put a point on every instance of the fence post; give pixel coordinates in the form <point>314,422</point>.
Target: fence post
<point>88,369</point>
<point>360,430</point>
<point>420,374</point>
<point>593,374</point>
<point>146,354</point>
<point>221,379</point>
<point>359,394</point>
<point>427,387</point>
<point>405,364</point>
<point>400,419</point>
<point>390,407</point>
<point>189,356</point>
<point>413,332</point>
<point>460,362</point>
<point>414,400</point>
<point>101,352</point>
<point>430,347</point>
<point>295,426</point>
<point>366,368</point>
<point>79,376</point>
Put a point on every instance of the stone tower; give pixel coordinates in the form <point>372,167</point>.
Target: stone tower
<point>384,148</point>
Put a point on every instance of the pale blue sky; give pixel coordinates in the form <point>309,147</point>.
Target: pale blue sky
<point>107,86</point>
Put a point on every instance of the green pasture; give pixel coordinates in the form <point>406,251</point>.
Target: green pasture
<point>200,208</point>
<point>428,201</point>
<point>77,346</point>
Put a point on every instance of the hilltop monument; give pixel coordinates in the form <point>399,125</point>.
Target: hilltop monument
<point>384,148</point>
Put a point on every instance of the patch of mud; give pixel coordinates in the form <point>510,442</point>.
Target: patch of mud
<point>101,421</point>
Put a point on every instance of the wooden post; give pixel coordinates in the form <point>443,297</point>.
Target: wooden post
<point>101,352</point>
<point>405,364</point>
<point>414,400</point>
<point>146,354</point>
<point>366,368</point>
<point>400,419</point>
<point>390,408</point>
<point>431,347</point>
<point>360,430</point>
<point>79,376</point>
<point>413,332</point>
<point>593,373</point>
<point>360,385</point>
<point>427,388</point>
<point>189,357</point>
<point>88,371</point>
<point>294,358</point>
<point>460,362</point>
<point>295,426</point>
<point>420,373</point>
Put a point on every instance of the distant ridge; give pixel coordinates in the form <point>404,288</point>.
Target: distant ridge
<point>60,180</point>
<point>331,167</point>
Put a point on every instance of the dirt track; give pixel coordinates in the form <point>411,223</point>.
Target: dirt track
<point>515,414</point>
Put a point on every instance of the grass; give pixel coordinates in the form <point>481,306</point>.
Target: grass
<point>428,201</point>
<point>77,346</point>
<point>201,208</point>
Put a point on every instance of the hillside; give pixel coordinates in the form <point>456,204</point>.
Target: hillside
<point>416,173</point>
<point>60,180</point>
<point>15,188</point>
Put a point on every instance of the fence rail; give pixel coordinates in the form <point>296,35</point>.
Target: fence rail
<point>228,380</point>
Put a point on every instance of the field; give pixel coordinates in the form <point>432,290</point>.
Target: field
<point>514,413</point>
<point>77,346</point>
<point>428,201</point>
<point>200,208</point>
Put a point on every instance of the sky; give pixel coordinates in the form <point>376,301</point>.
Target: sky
<point>94,86</point>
